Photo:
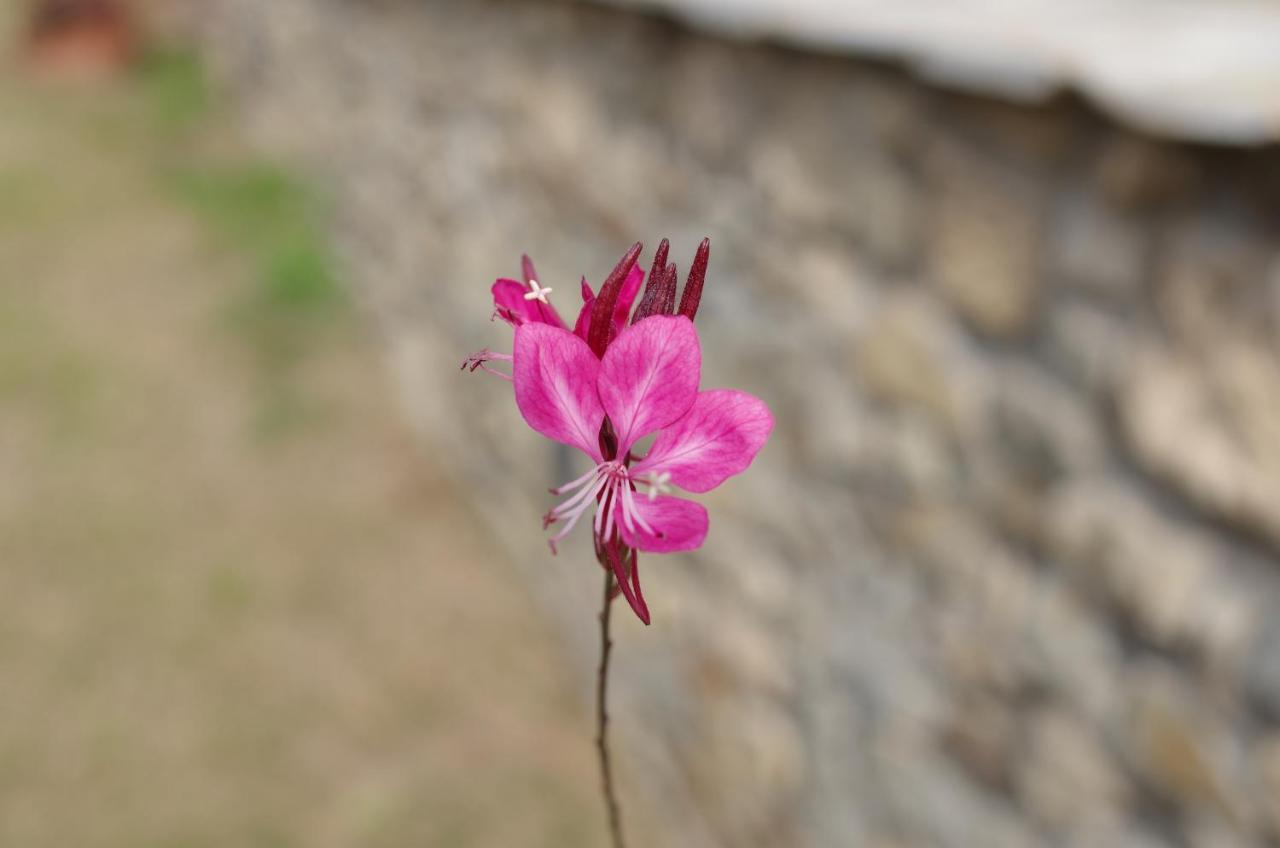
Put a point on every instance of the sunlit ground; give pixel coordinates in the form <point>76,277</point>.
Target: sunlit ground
<point>237,606</point>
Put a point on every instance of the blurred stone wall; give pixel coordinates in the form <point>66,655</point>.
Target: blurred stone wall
<point>1009,571</point>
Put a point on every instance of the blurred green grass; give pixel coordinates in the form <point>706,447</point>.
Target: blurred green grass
<point>268,214</point>
<point>212,639</point>
<point>264,212</point>
<point>174,83</point>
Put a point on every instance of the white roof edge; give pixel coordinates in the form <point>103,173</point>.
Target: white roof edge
<point>1192,70</point>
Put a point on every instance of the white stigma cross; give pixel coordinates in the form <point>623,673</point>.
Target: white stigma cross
<point>659,484</point>
<point>537,292</point>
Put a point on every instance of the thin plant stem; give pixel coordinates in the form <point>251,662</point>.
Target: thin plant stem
<point>602,717</point>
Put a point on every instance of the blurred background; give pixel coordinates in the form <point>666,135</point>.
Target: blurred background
<point>1007,574</point>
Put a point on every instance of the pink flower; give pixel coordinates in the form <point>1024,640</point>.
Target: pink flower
<point>517,304</point>
<point>644,381</point>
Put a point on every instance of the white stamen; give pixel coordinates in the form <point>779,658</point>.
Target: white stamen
<point>592,488</point>
<point>607,488</point>
<point>613,508</point>
<point>581,481</point>
<point>537,292</point>
<point>598,521</point>
<point>633,514</point>
<point>628,509</point>
<point>480,360</point>
<point>578,512</point>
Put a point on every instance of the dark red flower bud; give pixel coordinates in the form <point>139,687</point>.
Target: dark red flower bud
<point>693,286</point>
<point>651,299</point>
<point>670,279</point>
<point>602,310</point>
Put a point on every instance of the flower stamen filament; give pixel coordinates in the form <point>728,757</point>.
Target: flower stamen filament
<point>611,489</point>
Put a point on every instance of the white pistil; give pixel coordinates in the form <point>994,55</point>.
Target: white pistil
<point>537,292</point>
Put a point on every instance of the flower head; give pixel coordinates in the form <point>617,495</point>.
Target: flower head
<point>517,303</point>
<point>605,386</point>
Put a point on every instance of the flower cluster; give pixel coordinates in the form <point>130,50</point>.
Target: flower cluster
<point>616,378</point>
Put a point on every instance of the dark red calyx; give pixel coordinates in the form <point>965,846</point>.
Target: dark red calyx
<point>602,310</point>
<point>628,579</point>
<point>651,298</point>
<point>693,286</point>
<point>641,608</point>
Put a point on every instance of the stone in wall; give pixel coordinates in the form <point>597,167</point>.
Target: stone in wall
<point>1036,434</point>
<point>912,356</point>
<point>1140,174</point>
<point>1267,765</point>
<point>1174,584</point>
<point>985,239</point>
<point>1181,750</point>
<point>1262,670</point>
<point>1068,778</point>
<point>1095,246</point>
<point>1210,426</point>
<point>1041,141</point>
<point>1089,345</point>
<point>1211,286</point>
<point>887,209</point>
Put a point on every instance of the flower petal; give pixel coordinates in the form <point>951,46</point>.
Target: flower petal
<point>555,376</point>
<point>509,300</point>
<point>649,376</point>
<point>626,297</point>
<point>583,325</point>
<point>678,525</point>
<point>716,439</point>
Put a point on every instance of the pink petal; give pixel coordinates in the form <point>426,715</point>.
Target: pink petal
<point>626,297</point>
<point>508,298</point>
<point>583,325</point>
<point>678,525</point>
<point>555,376</point>
<point>717,438</point>
<point>649,376</point>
